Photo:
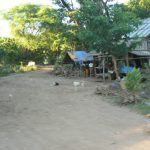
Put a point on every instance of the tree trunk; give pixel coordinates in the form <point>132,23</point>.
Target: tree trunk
<point>66,5</point>
<point>115,66</point>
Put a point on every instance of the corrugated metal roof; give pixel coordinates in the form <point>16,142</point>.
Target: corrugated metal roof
<point>141,53</point>
<point>143,30</point>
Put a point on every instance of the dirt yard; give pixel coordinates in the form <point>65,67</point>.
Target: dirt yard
<point>37,116</point>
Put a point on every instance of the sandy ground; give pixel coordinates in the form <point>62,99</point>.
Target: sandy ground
<point>37,116</point>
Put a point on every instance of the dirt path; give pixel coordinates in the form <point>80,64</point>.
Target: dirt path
<point>37,116</point>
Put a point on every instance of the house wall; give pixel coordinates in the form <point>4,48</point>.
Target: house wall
<point>144,45</point>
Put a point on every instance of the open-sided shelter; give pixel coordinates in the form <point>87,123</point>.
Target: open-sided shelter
<point>77,57</point>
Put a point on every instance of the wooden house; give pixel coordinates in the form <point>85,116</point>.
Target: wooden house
<point>141,53</point>
<point>136,58</point>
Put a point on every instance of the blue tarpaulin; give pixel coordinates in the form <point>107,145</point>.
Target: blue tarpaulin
<point>78,57</point>
<point>81,56</point>
<point>126,69</point>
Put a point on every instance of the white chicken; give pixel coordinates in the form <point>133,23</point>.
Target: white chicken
<point>76,83</point>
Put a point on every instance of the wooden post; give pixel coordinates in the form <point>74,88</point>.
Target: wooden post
<point>127,59</point>
<point>103,63</point>
<point>115,66</point>
<point>99,62</point>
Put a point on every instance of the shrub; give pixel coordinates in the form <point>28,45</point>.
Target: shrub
<point>132,80</point>
<point>28,68</point>
<point>7,69</point>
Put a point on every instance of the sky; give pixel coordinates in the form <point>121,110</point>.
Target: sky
<point>7,4</point>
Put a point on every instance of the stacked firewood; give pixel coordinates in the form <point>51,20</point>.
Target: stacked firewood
<point>103,90</point>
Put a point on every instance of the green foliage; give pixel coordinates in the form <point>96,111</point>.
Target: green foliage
<point>10,51</point>
<point>26,68</point>
<point>42,32</point>
<point>132,80</point>
<point>141,107</point>
<point>146,85</point>
<point>68,67</point>
<point>7,69</point>
<point>99,25</point>
<point>146,66</point>
<point>36,27</point>
<point>106,32</point>
<point>140,7</point>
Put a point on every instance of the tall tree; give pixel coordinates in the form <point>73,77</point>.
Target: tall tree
<point>36,26</point>
<point>10,52</point>
<point>104,27</point>
<point>140,7</point>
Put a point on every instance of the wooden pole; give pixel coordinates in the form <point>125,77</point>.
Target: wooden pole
<point>115,66</point>
<point>127,59</point>
<point>134,58</point>
<point>103,63</point>
<point>99,63</point>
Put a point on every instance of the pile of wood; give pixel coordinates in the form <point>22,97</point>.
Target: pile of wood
<point>126,97</point>
<point>66,72</point>
<point>57,71</point>
<point>104,91</point>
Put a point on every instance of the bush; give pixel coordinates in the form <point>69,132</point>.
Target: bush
<point>132,80</point>
<point>28,68</point>
<point>7,69</point>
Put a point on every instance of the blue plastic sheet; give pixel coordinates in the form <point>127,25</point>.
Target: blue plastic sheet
<point>126,69</point>
<point>82,56</point>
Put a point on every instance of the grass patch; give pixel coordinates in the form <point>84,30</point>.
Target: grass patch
<point>114,100</point>
<point>28,68</point>
<point>8,69</point>
<point>141,107</point>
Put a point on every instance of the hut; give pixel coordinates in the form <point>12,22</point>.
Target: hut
<point>80,60</point>
<point>77,57</point>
